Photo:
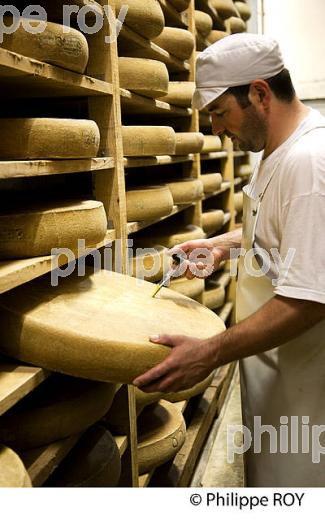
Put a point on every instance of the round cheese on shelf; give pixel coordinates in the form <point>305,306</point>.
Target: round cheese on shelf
<point>178,42</point>
<point>94,462</point>
<point>145,18</point>
<point>212,220</point>
<point>180,93</point>
<point>244,10</point>
<point>60,407</point>
<point>212,143</point>
<point>238,201</point>
<point>186,191</point>
<point>214,297</point>
<point>34,231</point>
<point>203,22</point>
<point>149,264</point>
<point>188,142</point>
<point>215,36</point>
<point>211,182</point>
<point>142,76</point>
<point>180,5</point>
<point>161,434</point>
<point>148,140</point>
<point>190,288</point>
<point>13,473</point>
<point>56,44</point>
<point>170,236</point>
<point>237,25</point>
<point>48,138</point>
<point>93,326</point>
<point>244,170</point>
<point>148,203</point>
<point>225,8</point>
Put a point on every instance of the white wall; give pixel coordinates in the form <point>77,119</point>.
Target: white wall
<point>299,27</point>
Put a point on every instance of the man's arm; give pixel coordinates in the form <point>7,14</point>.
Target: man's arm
<point>191,359</point>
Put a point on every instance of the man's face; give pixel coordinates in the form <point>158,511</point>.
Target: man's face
<point>245,126</point>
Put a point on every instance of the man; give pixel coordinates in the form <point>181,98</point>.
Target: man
<point>280,335</point>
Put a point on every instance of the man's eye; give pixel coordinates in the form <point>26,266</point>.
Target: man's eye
<point>220,114</point>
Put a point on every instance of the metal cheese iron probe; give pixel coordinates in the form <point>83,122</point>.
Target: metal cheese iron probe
<point>176,261</point>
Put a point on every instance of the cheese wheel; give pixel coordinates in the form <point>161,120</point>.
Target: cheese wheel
<point>185,191</point>
<point>190,288</point>
<point>214,297</point>
<point>211,182</point>
<point>149,264</point>
<point>244,10</point>
<point>180,93</point>
<point>188,142</point>
<point>212,220</point>
<point>48,138</point>
<point>148,203</point>
<point>244,170</point>
<point>60,407</point>
<point>96,326</point>
<point>57,44</point>
<point>170,236</point>
<point>238,201</point>
<point>34,231</point>
<point>225,8</point>
<point>180,5</point>
<point>94,462</point>
<point>203,22</point>
<point>145,18</point>
<point>215,36</point>
<point>13,473</point>
<point>145,77</point>
<point>117,418</point>
<point>178,42</point>
<point>148,140</point>
<point>161,434</point>
<point>237,25</point>
<point>212,143</point>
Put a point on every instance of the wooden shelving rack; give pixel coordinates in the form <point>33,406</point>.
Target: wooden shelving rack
<point>22,78</point>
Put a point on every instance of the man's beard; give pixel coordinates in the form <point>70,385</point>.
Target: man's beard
<point>253,131</point>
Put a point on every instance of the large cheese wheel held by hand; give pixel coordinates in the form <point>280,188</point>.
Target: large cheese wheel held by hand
<point>178,42</point>
<point>56,44</point>
<point>145,18</point>
<point>35,230</point>
<point>142,76</point>
<point>48,138</point>
<point>97,326</point>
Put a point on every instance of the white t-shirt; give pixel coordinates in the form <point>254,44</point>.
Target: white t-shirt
<point>292,213</point>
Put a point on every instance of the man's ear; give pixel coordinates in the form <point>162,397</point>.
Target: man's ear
<point>259,93</point>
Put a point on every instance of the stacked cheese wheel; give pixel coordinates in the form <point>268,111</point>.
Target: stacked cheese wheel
<point>145,18</point>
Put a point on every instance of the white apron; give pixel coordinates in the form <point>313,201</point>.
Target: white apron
<point>287,381</point>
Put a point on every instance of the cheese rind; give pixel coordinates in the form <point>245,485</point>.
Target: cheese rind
<point>143,76</point>
<point>212,143</point>
<point>148,203</point>
<point>57,45</point>
<point>237,25</point>
<point>211,182</point>
<point>170,236</point>
<point>215,35</point>
<point>190,288</point>
<point>186,191</point>
<point>149,264</point>
<point>225,8</point>
<point>48,138</point>
<point>244,10</point>
<point>212,220</point>
<point>203,22</point>
<point>214,297</point>
<point>145,18</point>
<point>180,5</point>
<point>36,230</point>
<point>178,42</point>
<point>239,201</point>
<point>188,142</point>
<point>180,93</point>
<point>148,140</point>
<point>13,473</point>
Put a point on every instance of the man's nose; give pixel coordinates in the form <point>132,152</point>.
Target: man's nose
<point>217,128</point>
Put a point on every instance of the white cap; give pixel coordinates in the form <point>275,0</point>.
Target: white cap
<point>235,60</point>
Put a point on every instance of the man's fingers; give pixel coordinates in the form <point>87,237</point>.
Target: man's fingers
<point>151,375</point>
<point>165,339</point>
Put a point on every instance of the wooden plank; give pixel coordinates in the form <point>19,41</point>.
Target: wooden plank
<point>135,45</point>
<point>144,480</point>
<point>132,103</point>
<point>239,153</point>
<point>122,443</point>
<point>133,227</point>
<point>18,272</point>
<point>34,79</point>
<point>16,381</point>
<point>15,169</point>
<point>172,17</point>
<point>178,473</point>
<point>41,462</point>
<point>157,160</point>
<point>214,155</point>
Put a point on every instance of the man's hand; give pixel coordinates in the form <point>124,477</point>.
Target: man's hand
<point>190,361</point>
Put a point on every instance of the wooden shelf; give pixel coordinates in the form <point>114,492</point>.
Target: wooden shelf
<point>172,17</point>
<point>14,169</point>
<point>122,443</point>
<point>16,381</point>
<point>134,104</point>
<point>213,155</point>
<point>133,227</point>
<point>144,480</point>
<point>23,76</point>
<point>238,181</point>
<point>239,153</point>
<point>41,462</point>
<point>224,187</point>
<point>158,160</point>
<point>138,46</point>
<point>225,311</point>
<point>18,272</point>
